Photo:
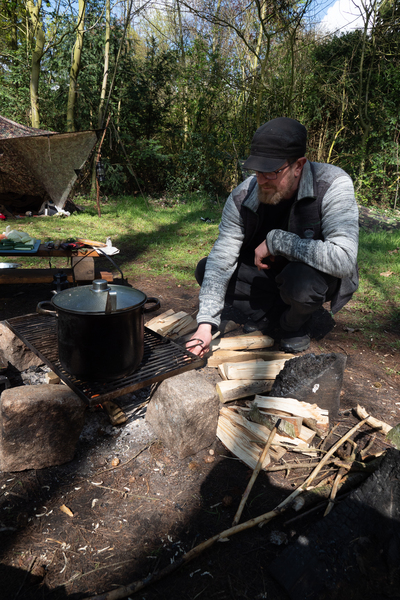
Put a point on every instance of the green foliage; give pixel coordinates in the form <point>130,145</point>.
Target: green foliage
<point>194,169</point>
<point>115,178</point>
<point>186,100</point>
<point>394,436</point>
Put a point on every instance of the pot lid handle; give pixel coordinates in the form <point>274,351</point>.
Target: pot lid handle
<point>100,285</point>
<point>111,304</point>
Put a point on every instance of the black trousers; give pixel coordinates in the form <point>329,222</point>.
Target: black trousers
<point>287,298</point>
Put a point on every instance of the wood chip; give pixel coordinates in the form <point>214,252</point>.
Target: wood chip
<point>66,510</point>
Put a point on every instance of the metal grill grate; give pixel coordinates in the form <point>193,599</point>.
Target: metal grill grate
<point>162,359</point>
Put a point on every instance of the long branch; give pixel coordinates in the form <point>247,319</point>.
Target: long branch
<point>136,586</point>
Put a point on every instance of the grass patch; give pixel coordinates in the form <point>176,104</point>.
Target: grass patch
<point>168,237</point>
<point>164,237</point>
<point>376,304</point>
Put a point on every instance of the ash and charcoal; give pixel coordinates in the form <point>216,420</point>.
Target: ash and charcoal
<point>35,375</point>
<point>31,376</point>
<point>134,431</point>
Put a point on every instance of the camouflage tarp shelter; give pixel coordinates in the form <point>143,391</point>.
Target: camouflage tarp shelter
<point>38,166</point>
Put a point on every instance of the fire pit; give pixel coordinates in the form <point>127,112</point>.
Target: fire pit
<point>162,358</point>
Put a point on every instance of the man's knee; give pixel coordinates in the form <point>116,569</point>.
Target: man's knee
<point>200,270</point>
<point>301,283</point>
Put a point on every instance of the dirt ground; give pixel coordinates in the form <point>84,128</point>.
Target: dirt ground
<point>131,520</point>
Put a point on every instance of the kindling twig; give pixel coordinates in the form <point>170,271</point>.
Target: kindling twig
<point>127,461</point>
<point>80,575</point>
<point>368,447</point>
<point>325,441</point>
<point>339,475</point>
<point>375,423</point>
<point>256,471</point>
<point>136,586</point>
<point>313,509</point>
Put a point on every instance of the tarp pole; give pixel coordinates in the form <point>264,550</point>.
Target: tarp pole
<point>97,162</point>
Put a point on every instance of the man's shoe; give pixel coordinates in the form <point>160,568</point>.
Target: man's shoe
<point>295,341</point>
<point>262,325</point>
<point>250,326</point>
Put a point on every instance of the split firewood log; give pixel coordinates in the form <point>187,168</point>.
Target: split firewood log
<point>289,426</point>
<point>172,324</point>
<point>242,388</point>
<point>254,370</point>
<point>311,412</point>
<point>260,433</point>
<point>237,441</point>
<point>233,356</point>
<point>224,367</point>
<point>243,442</point>
<point>242,342</point>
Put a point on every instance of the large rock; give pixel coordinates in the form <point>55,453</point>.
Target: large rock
<point>14,351</point>
<point>183,413</point>
<point>39,426</point>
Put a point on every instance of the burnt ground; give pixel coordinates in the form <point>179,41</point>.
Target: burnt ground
<point>134,519</point>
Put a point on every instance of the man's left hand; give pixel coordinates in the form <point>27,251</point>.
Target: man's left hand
<point>260,253</point>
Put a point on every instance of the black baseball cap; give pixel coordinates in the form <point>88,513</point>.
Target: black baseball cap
<point>276,142</point>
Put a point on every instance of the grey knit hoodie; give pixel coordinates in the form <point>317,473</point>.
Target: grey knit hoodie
<point>335,253</point>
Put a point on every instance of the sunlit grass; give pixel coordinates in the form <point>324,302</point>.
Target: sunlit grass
<point>163,237</point>
<point>376,304</point>
<point>166,237</point>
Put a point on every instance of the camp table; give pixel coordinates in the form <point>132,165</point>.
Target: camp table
<point>47,275</point>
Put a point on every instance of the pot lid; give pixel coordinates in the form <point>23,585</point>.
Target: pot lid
<point>99,298</point>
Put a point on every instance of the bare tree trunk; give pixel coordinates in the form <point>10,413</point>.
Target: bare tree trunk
<point>100,116</point>
<point>106,66</point>
<point>36,36</point>
<point>262,12</point>
<point>75,66</point>
<point>183,66</point>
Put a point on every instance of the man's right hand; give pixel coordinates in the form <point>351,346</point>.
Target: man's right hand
<point>260,253</point>
<point>200,341</point>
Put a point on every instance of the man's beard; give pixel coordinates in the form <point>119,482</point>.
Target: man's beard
<point>274,196</point>
<point>269,197</point>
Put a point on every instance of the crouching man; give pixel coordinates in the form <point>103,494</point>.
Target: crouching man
<point>287,243</point>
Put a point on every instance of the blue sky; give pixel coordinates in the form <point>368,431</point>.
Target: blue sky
<point>340,15</point>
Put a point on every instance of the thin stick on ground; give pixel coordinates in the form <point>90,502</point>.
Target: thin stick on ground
<point>136,586</point>
<point>254,476</point>
<point>339,476</point>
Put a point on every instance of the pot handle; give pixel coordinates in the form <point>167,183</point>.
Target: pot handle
<point>44,311</point>
<point>152,308</point>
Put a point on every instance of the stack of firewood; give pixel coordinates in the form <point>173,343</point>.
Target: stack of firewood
<point>244,430</point>
<point>245,365</point>
<point>247,370</point>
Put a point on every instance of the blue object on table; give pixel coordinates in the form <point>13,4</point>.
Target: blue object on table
<point>30,251</point>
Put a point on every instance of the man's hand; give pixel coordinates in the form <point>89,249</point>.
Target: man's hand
<point>260,253</point>
<point>200,341</point>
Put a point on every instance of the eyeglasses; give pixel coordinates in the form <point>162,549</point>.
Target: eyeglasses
<point>274,174</point>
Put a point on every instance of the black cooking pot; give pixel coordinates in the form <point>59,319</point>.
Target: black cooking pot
<point>100,329</point>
